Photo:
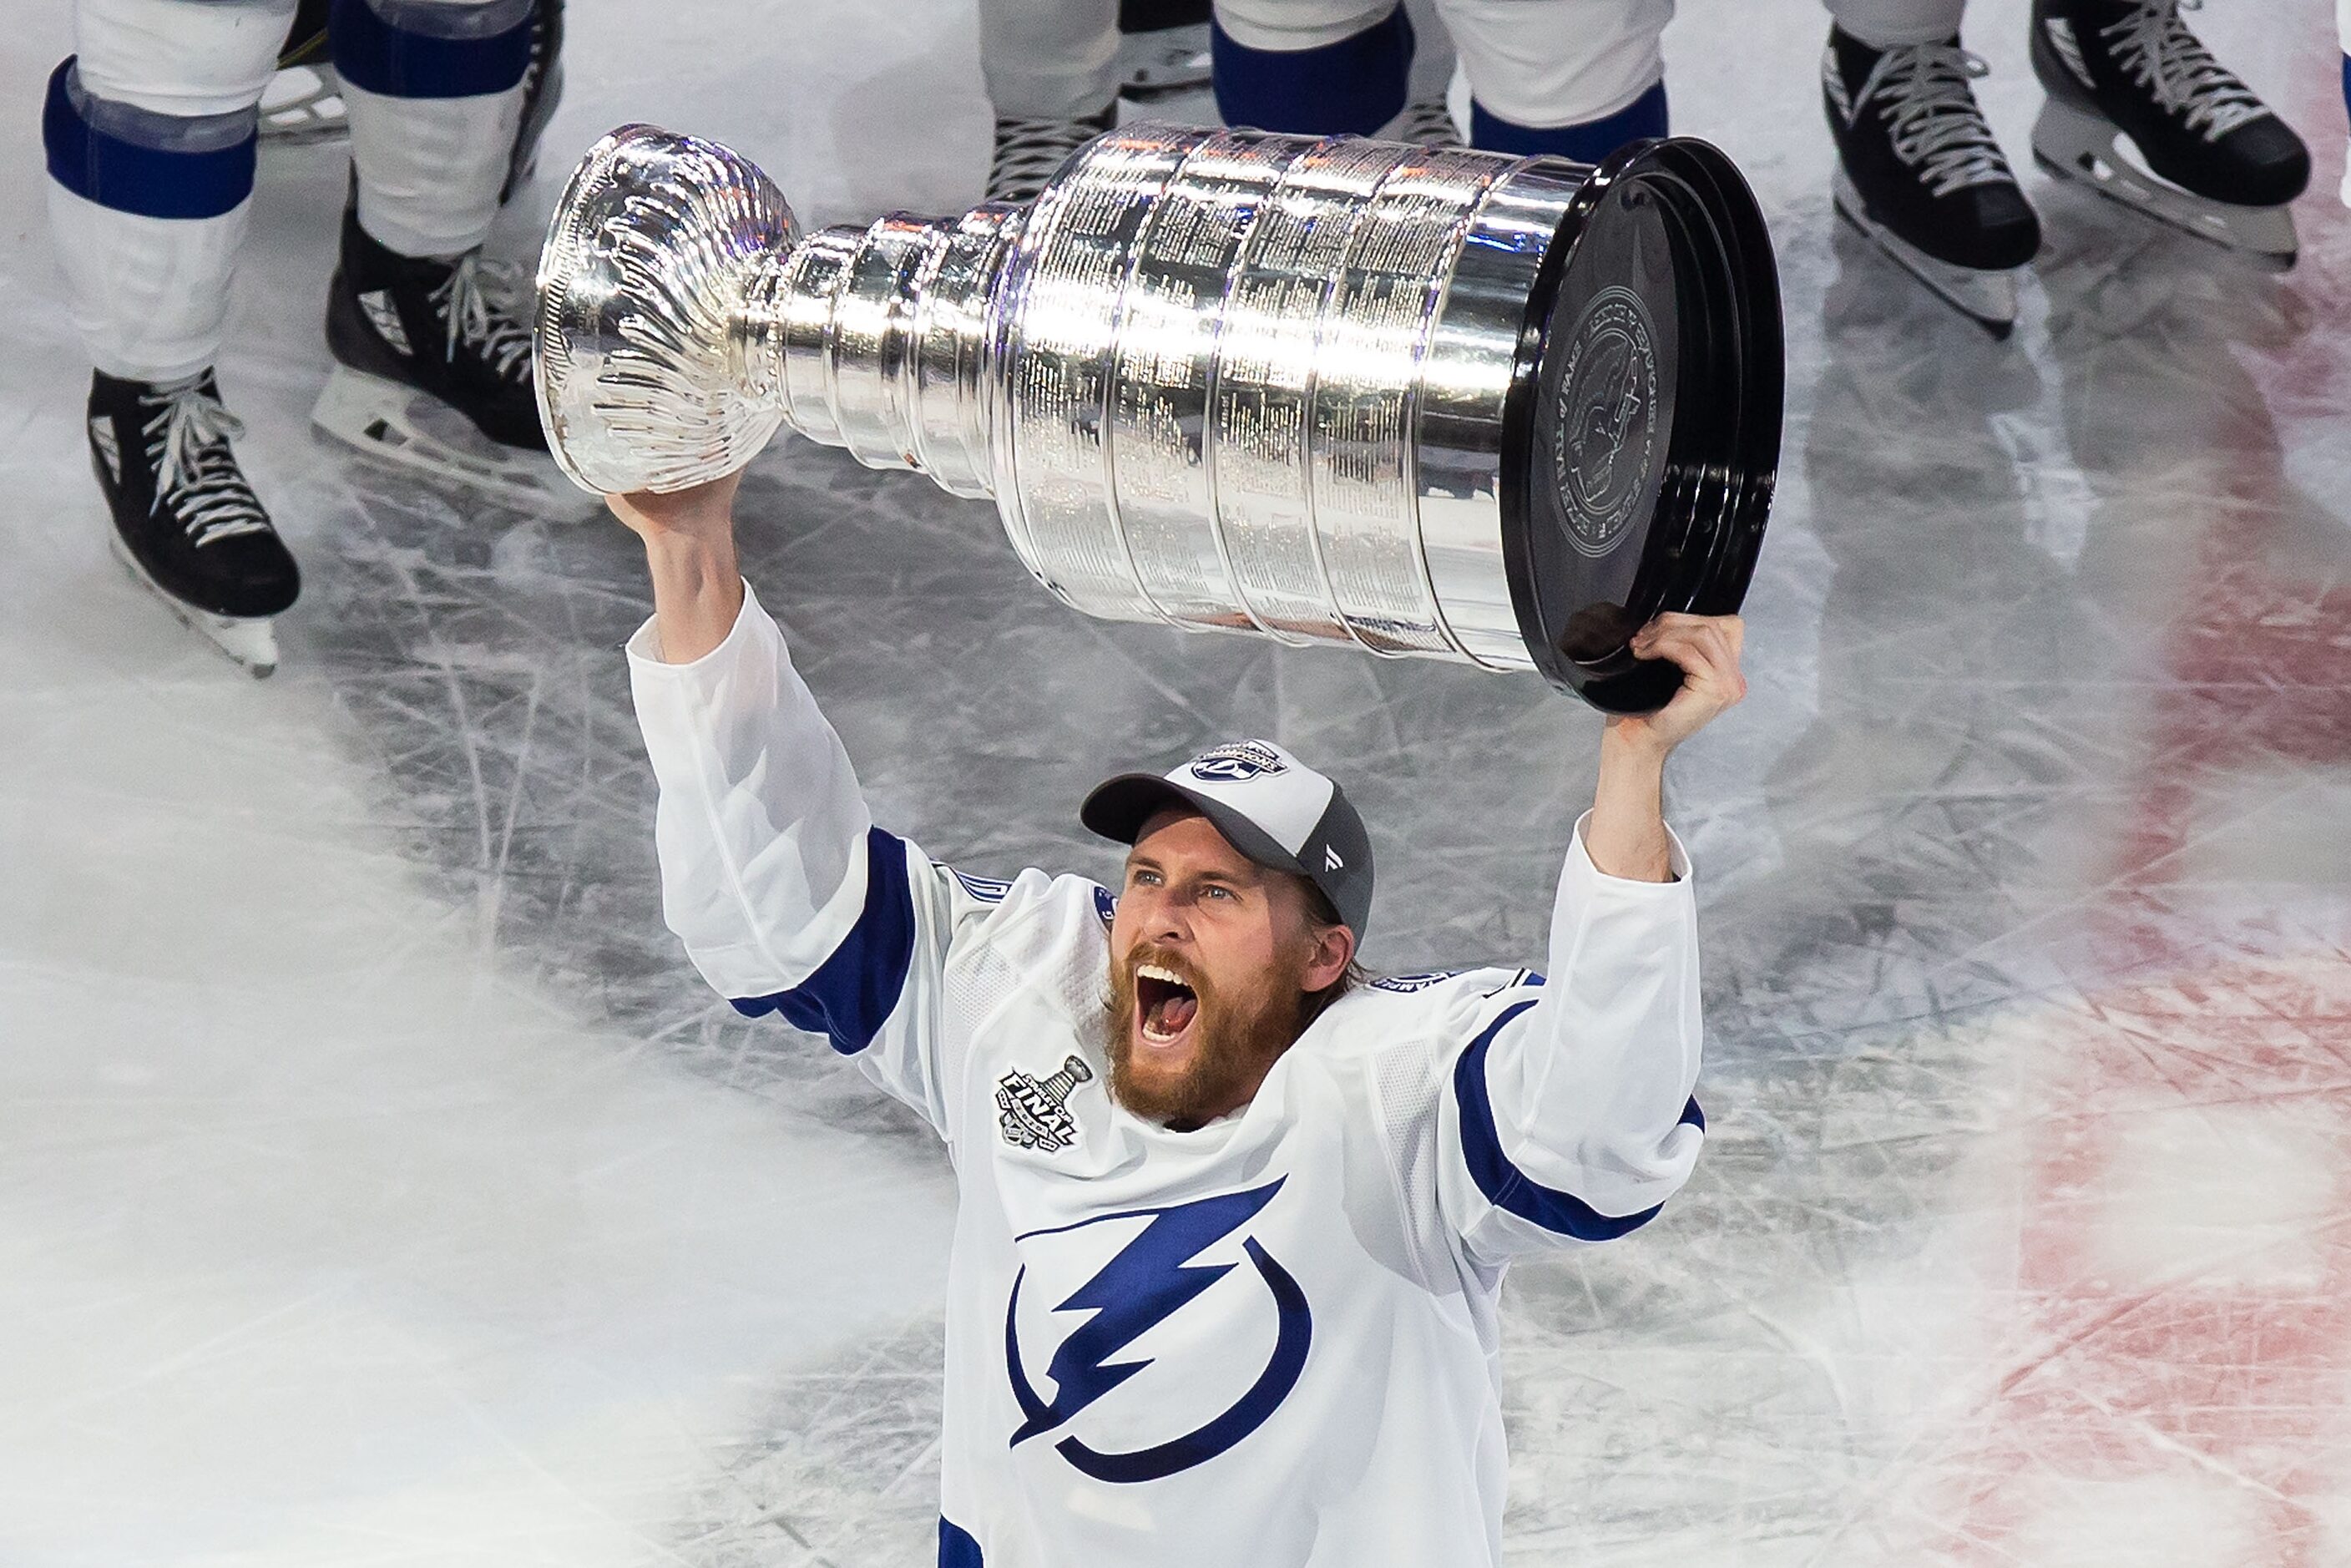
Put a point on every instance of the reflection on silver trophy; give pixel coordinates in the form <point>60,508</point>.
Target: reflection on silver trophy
<point>1438,402</point>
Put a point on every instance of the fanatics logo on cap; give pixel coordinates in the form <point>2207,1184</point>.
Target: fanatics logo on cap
<point>1241,760</point>
<point>1331,861</point>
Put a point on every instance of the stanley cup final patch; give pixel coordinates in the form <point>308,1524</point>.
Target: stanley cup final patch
<point>1605,444</point>
<point>1034,1113</point>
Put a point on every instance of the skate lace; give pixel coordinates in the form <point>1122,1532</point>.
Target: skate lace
<point>1931,110</point>
<point>465,302</point>
<point>195,472</point>
<point>2154,46</point>
<point>1030,151</point>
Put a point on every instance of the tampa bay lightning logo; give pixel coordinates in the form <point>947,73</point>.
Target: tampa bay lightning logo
<point>1148,1281</point>
<point>1238,763</point>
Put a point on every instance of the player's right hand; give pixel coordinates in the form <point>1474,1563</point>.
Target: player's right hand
<point>705,511</point>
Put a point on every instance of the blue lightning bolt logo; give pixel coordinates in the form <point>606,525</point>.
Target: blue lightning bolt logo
<point>1152,1277</point>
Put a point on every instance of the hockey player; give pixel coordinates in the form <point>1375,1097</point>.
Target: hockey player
<point>1921,174</point>
<point>1575,77</point>
<point>150,130</point>
<point>1233,1219</point>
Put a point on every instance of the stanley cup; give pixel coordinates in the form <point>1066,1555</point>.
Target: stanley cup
<point>1445,403</point>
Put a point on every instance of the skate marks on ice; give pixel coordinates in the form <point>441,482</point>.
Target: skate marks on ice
<point>476,658</point>
<point>844,1468</point>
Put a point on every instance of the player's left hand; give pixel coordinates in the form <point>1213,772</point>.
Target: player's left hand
<point>1706,649</point>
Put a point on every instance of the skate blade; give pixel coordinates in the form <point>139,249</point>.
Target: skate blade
<point>1162,64</point>
<point>251,644</point>
<point>377,418</point>
<point>303,105</point>
<point>2073,145</point>
<point>1987,298</point>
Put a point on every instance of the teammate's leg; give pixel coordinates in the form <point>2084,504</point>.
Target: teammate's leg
<point>1575,77</point>
<point>1919,168</point>
<point>436,90</point>
<point>1051,69</point>
<point>1321,67</point>
<point>305,102</point>
<point>149,134</point>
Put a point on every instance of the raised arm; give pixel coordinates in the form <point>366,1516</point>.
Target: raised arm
<point>1569,1116</point>
<point>786,895</point>
<point>689,539</point>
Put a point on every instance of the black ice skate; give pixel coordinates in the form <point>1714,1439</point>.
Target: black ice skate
<point>186,523</point>
<point>2139,110</point>
<point>1030,151</point>
<point>416,337</point>
<point>1919,172</point>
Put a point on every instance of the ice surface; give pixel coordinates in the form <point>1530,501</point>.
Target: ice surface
<point>378,1186</point>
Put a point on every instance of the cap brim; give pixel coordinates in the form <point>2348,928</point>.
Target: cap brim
<point>1118,808</point>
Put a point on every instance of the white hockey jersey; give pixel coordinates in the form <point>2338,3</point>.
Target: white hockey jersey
<point>1271,1342</point>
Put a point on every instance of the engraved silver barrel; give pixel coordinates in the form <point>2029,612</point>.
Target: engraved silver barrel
<point>1424,403</point>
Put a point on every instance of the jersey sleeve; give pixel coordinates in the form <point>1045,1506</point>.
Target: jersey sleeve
<point>788,898</point>
<point>1566,1115</point>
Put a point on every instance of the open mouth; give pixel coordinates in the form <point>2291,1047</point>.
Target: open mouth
<point>1165,1006</point>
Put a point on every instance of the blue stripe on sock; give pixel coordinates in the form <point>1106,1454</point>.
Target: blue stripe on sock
<point>1508,1187</point>
<point>1356,85</point>
<point>150,182</point>
<point>957,1549</point>
<point>1588,143</point>
<point>853,992</point>
<point>379,57</point>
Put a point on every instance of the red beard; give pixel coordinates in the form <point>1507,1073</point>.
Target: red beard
<point>1235,1039</point>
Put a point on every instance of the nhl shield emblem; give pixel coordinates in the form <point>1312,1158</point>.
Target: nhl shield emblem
<point>1034,1113</point>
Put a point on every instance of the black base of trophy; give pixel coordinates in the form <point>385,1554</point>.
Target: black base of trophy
<point>1641,436</point>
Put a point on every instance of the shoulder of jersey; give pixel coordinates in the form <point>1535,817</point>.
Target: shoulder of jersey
<point>1035,890</point>
<point>1396,1005</point>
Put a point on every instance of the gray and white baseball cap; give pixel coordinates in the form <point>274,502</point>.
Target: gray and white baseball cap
<point>1268,805</point>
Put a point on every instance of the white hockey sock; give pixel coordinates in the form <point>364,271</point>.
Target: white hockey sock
<point>147,212</point>
<point>435,91</point>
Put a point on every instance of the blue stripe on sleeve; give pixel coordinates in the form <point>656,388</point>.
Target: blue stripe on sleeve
<point>149,181</point>
<point>957,1549</point>
<point>852,992</point>
<point>379,56</point>
<point>1508,1187</point>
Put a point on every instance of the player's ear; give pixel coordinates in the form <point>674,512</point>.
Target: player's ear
<point>1334,950</point>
